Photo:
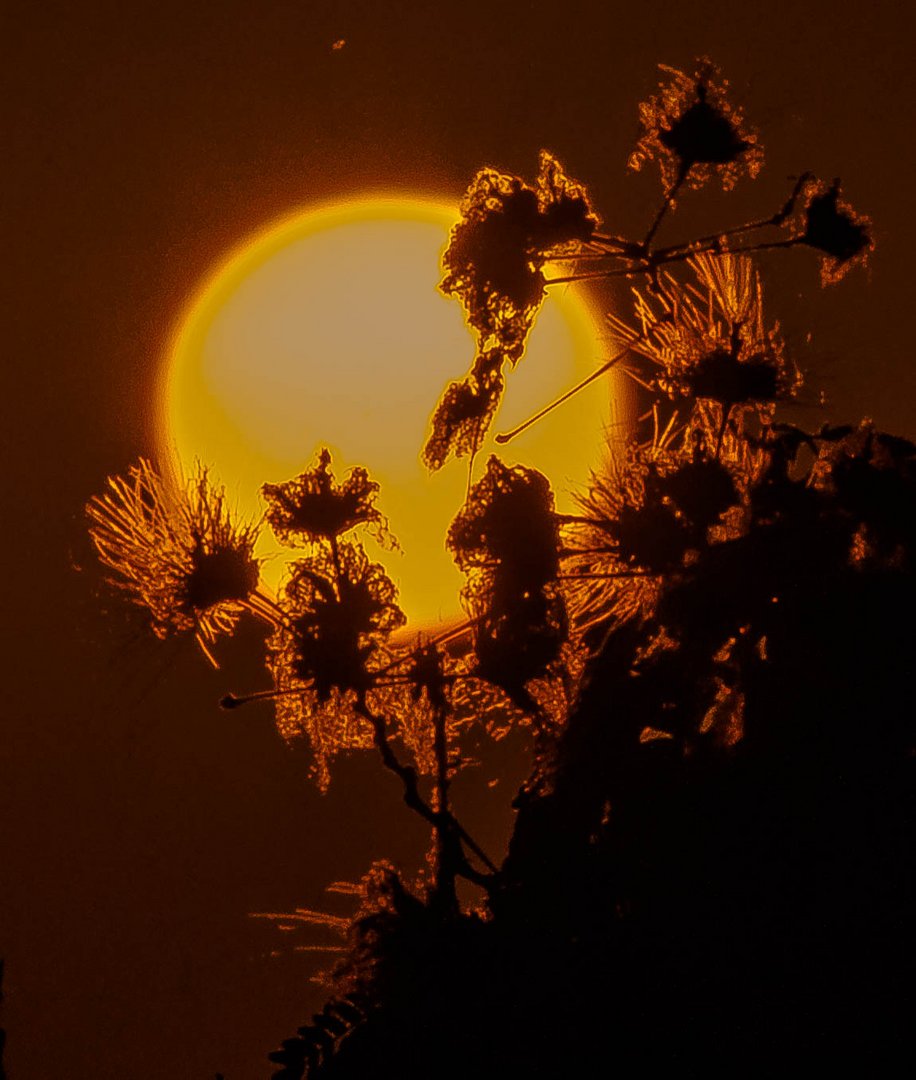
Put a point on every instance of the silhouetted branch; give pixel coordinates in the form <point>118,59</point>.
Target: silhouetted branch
<point>443,822</point>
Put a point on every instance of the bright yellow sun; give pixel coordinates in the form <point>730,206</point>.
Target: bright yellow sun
<point>327,330</point>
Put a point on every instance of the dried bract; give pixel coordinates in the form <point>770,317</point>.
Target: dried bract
<point>465,411</point>
<point>694,132</point>
<point>843,237</point>
<point>176,551</point>
<point>493,265</point>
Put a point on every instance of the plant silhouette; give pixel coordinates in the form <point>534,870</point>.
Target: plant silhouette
<point>710,870</point>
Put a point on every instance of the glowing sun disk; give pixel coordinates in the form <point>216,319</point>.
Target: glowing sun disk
<point>327,330</point>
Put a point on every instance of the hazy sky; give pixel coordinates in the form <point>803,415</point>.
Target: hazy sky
<point>139,825</point>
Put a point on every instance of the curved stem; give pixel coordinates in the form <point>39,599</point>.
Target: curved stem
<point>666,204</point>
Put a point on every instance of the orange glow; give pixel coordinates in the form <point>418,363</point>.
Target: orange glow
<point>327,330</point>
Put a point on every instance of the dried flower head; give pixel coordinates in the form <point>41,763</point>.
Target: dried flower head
<point>337,607</point>
<point>508,524</point>
<point>493,265</point>
<point>506,538</point>
<point>694,132</point>
<point>338,610</point>
<point>312,507</point>
<point>842,236</point>
<point>872,477</point>
<point>177,552</point>
<point>701,490</point>
<point>495,254</point>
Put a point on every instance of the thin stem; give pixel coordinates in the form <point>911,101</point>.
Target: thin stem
<point>441,639</point>
<point>580,255</point>
<point>507,436</point>
<point>611,241</point>
<point>681,255</point>
<point>609,574</point>
<point>412,797</point>
<point>690,246</point>
<point>236,701</point>
<point>264,608</point>
<point>624,271</point>
<point>448,864</point>
<point>580,519</point>
<point>774,220</point>
<point>666,204</point>
<point>335,552</point>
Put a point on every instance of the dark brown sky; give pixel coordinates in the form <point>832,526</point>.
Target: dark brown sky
<point>138,824</point>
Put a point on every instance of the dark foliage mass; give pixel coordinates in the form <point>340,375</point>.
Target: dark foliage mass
<point>2,1032</point>
<point>731,896</point>
<point>711,868</point>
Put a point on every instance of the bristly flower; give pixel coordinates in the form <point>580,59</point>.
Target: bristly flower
<point>842,236</point>
<point>177,552</point>
<point>338,610</point>
<point>708,344</point>
<point>493,265</point>
<point>694,132</point>
<point>312,507</point>
<point>606,576</point>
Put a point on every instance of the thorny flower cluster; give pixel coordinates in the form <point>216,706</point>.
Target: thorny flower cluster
<point>543,589</point>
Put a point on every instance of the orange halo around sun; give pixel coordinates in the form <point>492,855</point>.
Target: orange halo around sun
<point>327,329</point>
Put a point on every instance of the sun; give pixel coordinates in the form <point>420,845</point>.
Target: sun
<point>327,330</point>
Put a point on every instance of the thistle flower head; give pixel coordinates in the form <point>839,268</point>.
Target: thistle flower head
<point>313,507</point>
<point>177,552</point>
<point>694,132</point>
<point>607,577</point>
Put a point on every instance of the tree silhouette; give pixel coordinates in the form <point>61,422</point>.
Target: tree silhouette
<point>711,865</point>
